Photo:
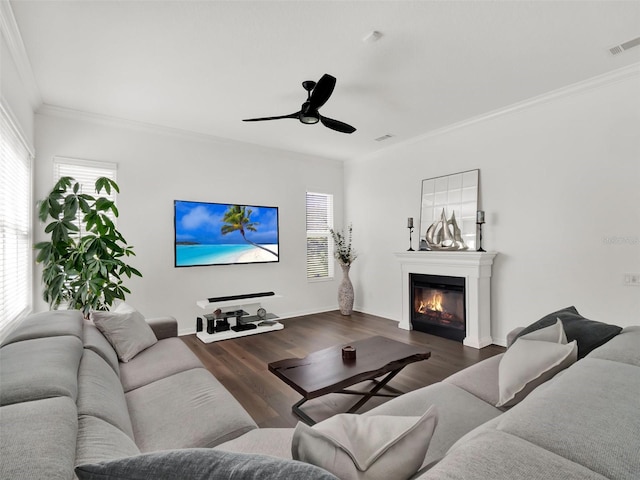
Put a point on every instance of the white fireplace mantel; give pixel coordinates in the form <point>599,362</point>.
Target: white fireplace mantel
<point>474,267</point>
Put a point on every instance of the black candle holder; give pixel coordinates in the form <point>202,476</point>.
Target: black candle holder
<point>480,249</point>
<point>410,249</point>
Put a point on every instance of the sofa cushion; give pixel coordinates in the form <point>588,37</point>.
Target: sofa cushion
<point>38,439</point>
<point>589,415</point>
<point>589,334</point>
<point>163,327</point>
<point>165,358</point>
<point>126,331</point>
<point>100,441</point>
<point>480,379</point>
<point>265,441</point>
<point>47,324</point>
<point>190,409</point>
<point>201,464</point>
<point>499,456</point>
<point>458,413</point>
<point>624,348</point>
<point>528,364</point>
<point>40,368</point>
<point>94,340</point>
<point>100,393</point>
<point>375,447</point>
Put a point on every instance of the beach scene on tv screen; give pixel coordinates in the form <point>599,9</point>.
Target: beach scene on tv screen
<point>221,234</point>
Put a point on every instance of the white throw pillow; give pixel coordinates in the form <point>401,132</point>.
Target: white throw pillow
<point>126,329</point>
<point>530,363</point>
<point>553,333</point>
<point>376,447</point>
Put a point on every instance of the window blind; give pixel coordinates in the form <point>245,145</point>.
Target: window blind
<point>86,172</point>
<point>319,244</point>
<point>15,223</point>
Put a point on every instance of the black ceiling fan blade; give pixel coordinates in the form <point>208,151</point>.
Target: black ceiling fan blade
<point>337,125</point>
<point>322,91</point>
<point>291,115</point>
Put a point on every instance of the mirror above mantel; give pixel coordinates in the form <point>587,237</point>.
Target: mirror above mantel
<point>448,211</point>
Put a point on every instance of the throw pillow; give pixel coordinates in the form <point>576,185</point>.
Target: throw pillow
<point>589,334</point>
<point>528,364</point>
<point>366,447</point>
<point>553,333</point>
<point>201,464</point>
<point>127,331</point>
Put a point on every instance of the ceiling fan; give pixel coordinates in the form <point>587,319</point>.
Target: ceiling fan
<point>317,96</point>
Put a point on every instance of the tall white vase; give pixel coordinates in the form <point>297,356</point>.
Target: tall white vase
<point>345,292</point>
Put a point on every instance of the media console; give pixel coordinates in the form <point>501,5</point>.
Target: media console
<point>233,319</point>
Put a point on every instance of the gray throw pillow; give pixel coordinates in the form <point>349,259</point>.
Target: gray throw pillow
<point>377,447</point>
<point>589,334</point>
<point>126,329</point>
<point>201,464</point>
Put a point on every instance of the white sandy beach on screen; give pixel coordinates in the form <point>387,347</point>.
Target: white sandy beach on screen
<point>259,255</point>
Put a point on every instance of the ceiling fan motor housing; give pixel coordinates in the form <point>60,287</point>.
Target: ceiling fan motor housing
<point>308,114</point>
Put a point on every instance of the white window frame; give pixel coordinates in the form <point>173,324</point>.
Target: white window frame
<point>315,228</point>
<point>86,172</point>
<point>16,222</point>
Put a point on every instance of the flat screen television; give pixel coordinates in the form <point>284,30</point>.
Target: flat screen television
<point>224,234</point>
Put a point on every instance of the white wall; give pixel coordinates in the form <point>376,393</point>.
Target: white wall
<point>154,169</point>
<point>560,184</point>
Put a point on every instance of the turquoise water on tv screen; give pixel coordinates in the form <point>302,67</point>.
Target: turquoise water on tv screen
<point>188,255</point>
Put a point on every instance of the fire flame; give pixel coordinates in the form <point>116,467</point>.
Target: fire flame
<point>434,304</point>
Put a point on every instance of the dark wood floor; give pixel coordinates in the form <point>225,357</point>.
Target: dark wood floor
<point>241,364</point>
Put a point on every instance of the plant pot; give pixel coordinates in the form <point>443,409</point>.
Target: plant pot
<point>345,292</point>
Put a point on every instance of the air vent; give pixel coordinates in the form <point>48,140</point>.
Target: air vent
<point>384,137</point>
<point>618,49</point>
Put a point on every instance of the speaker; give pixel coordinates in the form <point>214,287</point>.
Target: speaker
<point>210,325</point>
<point>198,324</point>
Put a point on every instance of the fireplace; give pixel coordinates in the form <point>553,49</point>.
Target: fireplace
<point>474,268</point>
<point>437,305</point>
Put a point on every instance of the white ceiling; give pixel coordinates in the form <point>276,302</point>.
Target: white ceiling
<point>203,66</point>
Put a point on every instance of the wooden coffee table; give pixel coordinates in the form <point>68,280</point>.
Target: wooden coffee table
<point>325,371</point>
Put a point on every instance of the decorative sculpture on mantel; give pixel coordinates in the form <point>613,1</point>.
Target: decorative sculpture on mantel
<point>445,234</point>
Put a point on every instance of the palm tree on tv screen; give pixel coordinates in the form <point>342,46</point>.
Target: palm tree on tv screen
<point>238,218</point>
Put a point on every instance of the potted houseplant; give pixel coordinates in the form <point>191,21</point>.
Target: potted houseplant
<point>345,255</point>
<point>83,262</point>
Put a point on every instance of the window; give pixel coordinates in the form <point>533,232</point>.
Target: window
<point>319,244</point>
<point>15,222</point>
<point>86,172</point>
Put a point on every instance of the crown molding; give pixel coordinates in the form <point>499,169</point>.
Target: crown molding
<point>119,122</point>
<point>579,88</point>
<point>152,128</point>
<point>11,34</point>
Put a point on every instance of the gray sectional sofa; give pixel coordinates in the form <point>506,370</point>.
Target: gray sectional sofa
<point>66,400</point>
<point>583,424</point>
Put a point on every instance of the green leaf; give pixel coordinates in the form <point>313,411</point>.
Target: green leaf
<point>43,210</point>
<point>103,183</point>
<point>49,228</point>
<point>103,204</point>
<point>55,208</point>
<point>70,226</point>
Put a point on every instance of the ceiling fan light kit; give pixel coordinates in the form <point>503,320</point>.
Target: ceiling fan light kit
<point>317,95</point>
<point>308,114</point>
